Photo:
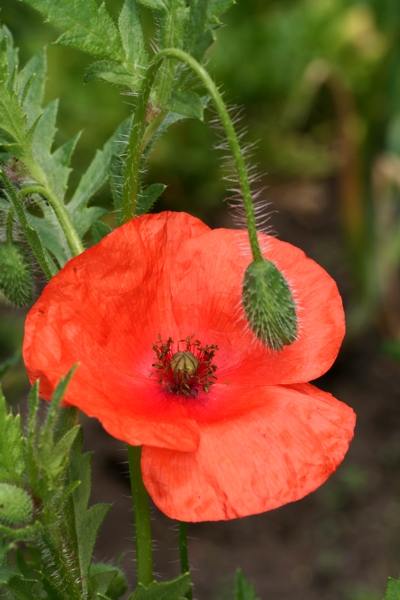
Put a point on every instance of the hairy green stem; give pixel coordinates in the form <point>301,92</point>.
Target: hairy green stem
<point>45,263</point>
<point>135,147</point>
<point>72,237</point>
<point>9,224</point>
<point>141,514</point>
<point>183,553</point>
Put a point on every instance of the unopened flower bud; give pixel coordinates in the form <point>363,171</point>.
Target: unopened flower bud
<point>16,506</point>
<point>16,274</point>
<point>269,306</point>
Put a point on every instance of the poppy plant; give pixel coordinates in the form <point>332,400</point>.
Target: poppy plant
<point>153,314</point>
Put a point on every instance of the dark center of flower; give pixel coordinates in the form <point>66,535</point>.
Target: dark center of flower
<point>184,371</point>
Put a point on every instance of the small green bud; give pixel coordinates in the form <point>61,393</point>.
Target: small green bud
<point>16,506</point>
<point>16,274</point>
<point>269,306</point>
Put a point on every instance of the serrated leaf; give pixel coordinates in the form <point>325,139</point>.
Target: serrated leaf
<point>87,26</point>
<point>169,590</point>
<point>392,589</point>
<point>48,428</point>
<point>148,196</point>
<point>99,231</point>
<point>23,589</point>
<point>11,446</point>
<point>186,103</point>
<point>86,521</point>
<point>91,181</point>
<point>31,84</point>
<point>130,28</point>
<point>11,57</point>
<point>6,574</point>
<point>203,19</point>
<point>54,164</point>
<point>155,4</point>
<point>108,580</point>
<point>54,462</point>
<point>243,588</point>
<point>113,72</point>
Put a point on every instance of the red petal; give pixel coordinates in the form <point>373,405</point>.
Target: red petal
<point>273,455</point>
<point>95,312</point>
<point>207,287</point>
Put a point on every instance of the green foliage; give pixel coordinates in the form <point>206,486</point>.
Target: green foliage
<point>243,588</point>
<point>169,590</point>
<point>45,463</point>
<point>392,589</point>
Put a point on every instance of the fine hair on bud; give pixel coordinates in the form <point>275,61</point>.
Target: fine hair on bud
<point>269,305</point>
<point>16,274</point>
<point>16,506</point>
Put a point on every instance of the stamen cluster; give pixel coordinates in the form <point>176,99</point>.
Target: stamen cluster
<point>186,371</point>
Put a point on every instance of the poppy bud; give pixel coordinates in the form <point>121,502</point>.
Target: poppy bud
<point>16,506</point>
<point>16,274</point>
<point>269,306</point>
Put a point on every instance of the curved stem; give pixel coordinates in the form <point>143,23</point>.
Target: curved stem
<point>141,514</point>
<point>73,239</point>
<point>183,553</point>
<point>137,132</point>
<point>9,224</point>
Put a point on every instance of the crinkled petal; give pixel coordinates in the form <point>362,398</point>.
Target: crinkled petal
<point>275,454</point>
<point>207,287</point>
<point>99,311</point>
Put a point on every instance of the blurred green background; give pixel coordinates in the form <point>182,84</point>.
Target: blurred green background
<point>319,83</point>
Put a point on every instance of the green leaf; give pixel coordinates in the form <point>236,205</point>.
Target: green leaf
<point>113,72</point>
<point>155,4</point>
<point>23,589</point>
<point>54,462</point>
<point>96,175</point>
<point>148,197</point>
<point>87,26</point>
<point>99,231</point>
<point>31,84</point>
<point>54,164</point>
<point>186,103</point>
<point>169,590</point>
<point>203,19</point>
<point>130,28</point>
<point>10,362</point>
<point>108,580</point>
<point>392,589</point>
<point>87,521</point>
<point>11,446</point>
<point>243,588</point>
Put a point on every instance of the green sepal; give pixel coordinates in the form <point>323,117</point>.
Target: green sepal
<point>148,196</point>
<point>99,231</point>
<point>392,589</point>
<point>268,305</point>
<point>16,506</point>
<point>243,588</point>
<point>186,103</point>
<point>169,590</point>
<point>16,274</point>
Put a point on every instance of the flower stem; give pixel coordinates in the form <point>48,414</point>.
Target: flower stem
<point>138,128</point>
<point>73,239</point>
<point>141,513</point>
<point>183,553</point>
<point>47,265</point>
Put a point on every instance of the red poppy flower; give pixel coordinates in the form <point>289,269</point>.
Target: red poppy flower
<point>153,314</point>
